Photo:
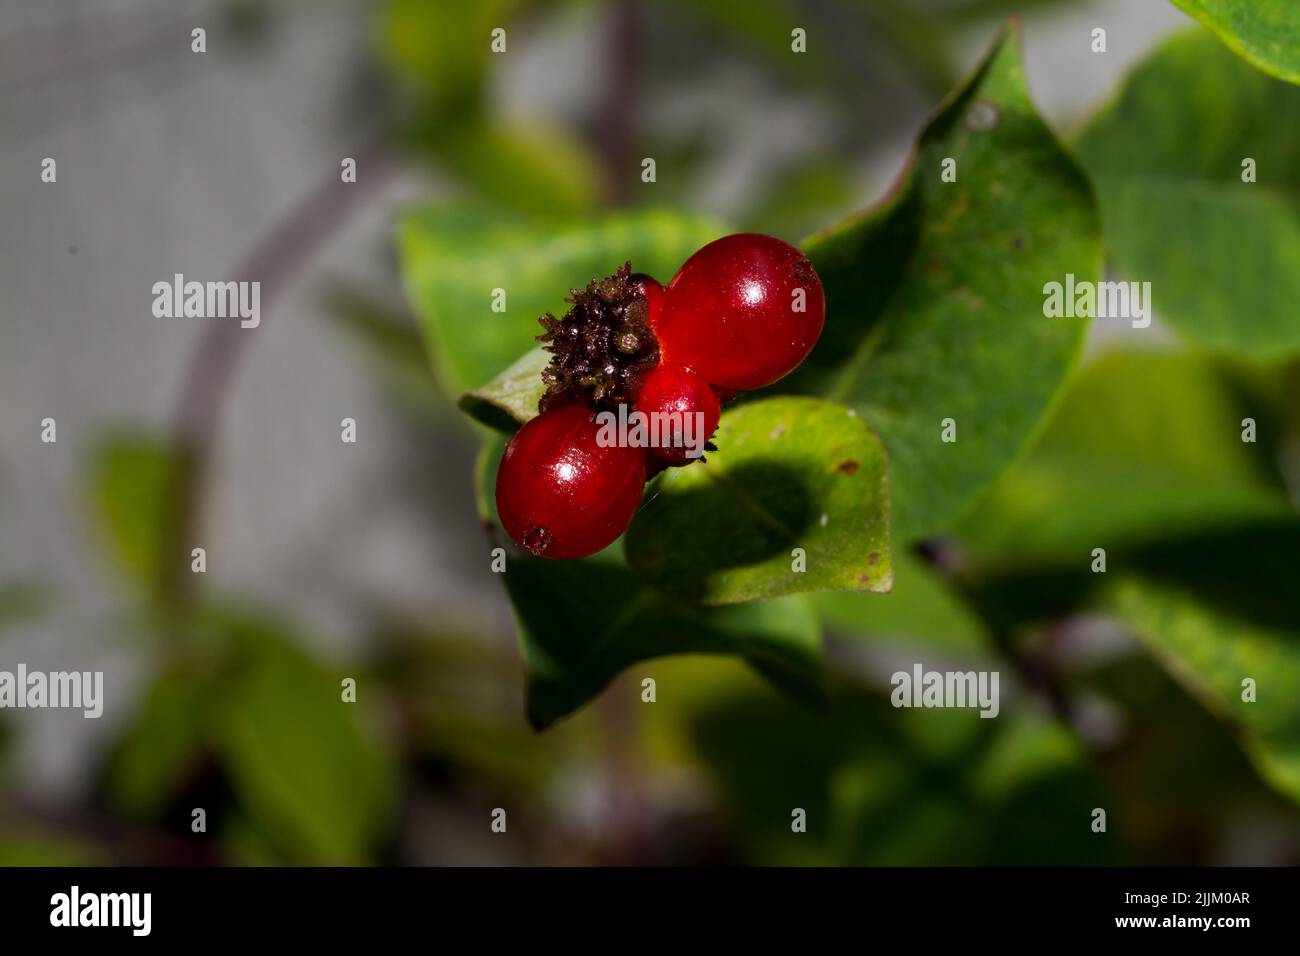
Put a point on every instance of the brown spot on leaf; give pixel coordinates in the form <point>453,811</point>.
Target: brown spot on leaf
<point>873,558</point>
<point>848,467</point>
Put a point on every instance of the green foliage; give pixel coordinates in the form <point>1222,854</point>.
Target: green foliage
<point>392,345</point>
<point>138,485</point>
<point>454,256</point>
<point>921,611</point>
<point>935,302</point>
<point>581,622</point>
<point>39,848</point>
<point>439,51</point>
<point>1265,32</point>
<point>789,473</point>
<point>302,761</point>
<point>1145,445</point>
<point>1212,640</point>
<point>1222,255</point>
<point>163,744</point>
<point>511,398</point>
<point>883,786</point>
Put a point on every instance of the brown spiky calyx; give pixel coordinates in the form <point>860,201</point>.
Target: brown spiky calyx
<point>602,347</point>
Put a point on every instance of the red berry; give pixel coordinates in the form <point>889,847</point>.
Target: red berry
<point>652,292</point>
<point>742,312</point>
<point>670,390</point>
<point>559,493</point>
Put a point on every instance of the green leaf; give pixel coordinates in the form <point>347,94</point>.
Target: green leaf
<point>789,473</point>
<point>935,298</point>
<point>511,398</point>
<point>582,622</point>
<point>453,257</point>
<point>1145,445</point>
<point>301,761</point>
<point>138,485</point>
<point>1211,648</point>
<point>1265,32</point>
<point>1222,255</point>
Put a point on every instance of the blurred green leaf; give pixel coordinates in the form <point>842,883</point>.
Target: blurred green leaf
<point>163,744</point>
<point>921,608</point>
<point>392,344</point>
<point>532,168</point>
<point>884,786</point>
<point>138,485</point>
<point>1213,647</point>
<point>20,602</point>
<point>935,302</point>
<point>789,473</point>
<point>1145,445</point>
<point>300,759</point>
<point>455,256</point>
<point>582,622</point>
<point>1222,255</point>
<point>803,197</point>
<point>1265,32</point>
<point>34,848</point>
<point>440,50</point>
<point>1183,786</point>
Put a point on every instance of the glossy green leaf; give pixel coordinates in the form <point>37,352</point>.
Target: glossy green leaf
<point>1145,445</point>
<point>453,257</point>
<point>582,622</point>
<point>1265,32</point>
<point>1222,255</point>
<point>300,758</point>
<point>935,298</point>
<point>796,499</point>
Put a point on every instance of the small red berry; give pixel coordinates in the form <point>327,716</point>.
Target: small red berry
<point>678,396</point>
<point>742,312</point>
<point>559,493</point>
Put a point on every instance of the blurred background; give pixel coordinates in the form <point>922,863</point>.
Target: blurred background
<point>327,560</point>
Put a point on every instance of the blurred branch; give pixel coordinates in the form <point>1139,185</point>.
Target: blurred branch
<point>618,109</point>
<point>273,261</point>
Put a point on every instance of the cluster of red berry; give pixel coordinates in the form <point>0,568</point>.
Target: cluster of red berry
<point>741,313</point>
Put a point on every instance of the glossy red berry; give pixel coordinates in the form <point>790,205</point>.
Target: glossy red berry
<point>742,312</point>
<point>559,493</point>
<point>687,410</point>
